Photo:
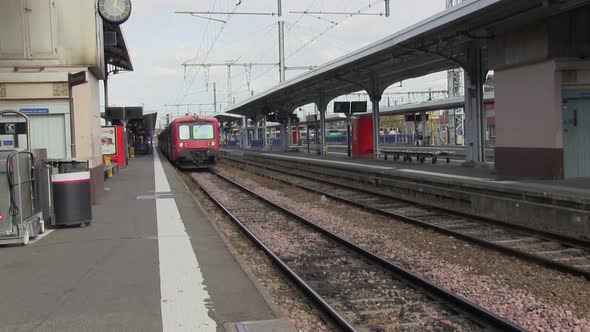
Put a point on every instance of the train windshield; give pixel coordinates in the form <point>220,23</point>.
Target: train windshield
<point>203,131</point>
<point>184,132</point>
<point>196,131</point>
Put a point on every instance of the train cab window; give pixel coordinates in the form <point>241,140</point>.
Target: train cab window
<point>204,131</point>
<point>184,132</point>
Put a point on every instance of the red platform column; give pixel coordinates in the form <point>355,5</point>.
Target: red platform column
<point>362,137</point>
<point>119,157</point>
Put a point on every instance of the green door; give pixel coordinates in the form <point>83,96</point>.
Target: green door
<point>576,138</point>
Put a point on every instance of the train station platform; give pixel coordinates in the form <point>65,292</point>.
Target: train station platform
<point>150,261</point>
<point>556,206</point>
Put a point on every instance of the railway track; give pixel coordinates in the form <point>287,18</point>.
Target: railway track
<point>556,252</point>
<point>358,290</point>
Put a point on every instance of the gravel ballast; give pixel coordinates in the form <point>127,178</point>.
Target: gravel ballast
<point>534,297</point>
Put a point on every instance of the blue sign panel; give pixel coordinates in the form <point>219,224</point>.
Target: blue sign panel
<point>35,110</point>
<point>7,143</point>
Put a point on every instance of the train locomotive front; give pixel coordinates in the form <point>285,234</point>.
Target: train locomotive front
<point>191,142</point>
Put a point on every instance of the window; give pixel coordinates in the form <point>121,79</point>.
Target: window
<point>32,29</point>
<point>184,132</point>
<point>204,131</point>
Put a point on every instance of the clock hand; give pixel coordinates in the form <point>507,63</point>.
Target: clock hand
<point>115,4</point>
<point>122,10</point>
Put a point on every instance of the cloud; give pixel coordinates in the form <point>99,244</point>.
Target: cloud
<point>165,72</point>
<point>160,41</point>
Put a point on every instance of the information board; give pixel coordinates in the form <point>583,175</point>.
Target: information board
<point>109,140</point>
<point>348,108</point>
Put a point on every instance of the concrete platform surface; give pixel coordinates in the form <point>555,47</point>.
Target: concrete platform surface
<point>579,188</point>
<point>150,261</point>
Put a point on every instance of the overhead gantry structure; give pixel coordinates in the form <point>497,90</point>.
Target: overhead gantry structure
<point>458,37</point>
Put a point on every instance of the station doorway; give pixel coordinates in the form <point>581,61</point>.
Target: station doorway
<point>576,137</point>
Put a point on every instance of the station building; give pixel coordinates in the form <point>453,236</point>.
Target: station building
<point>41,43</point>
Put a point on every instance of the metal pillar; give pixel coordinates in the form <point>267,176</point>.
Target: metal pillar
<point>256,119</point>
<point>387,8</point>
<point>424,128</point>
<point>282,51</point>
<point>280,8</point>
<point>106,92</point>
<point>376,143</point>
<point>243,133</point>
<point>289,131</point>
<point>283,130</point>
<point>375,93</point>
<point>474,109</point>
<point>322,105</point>
<point>265,132</point>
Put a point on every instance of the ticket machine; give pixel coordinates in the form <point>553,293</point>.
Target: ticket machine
<point>14,131</point>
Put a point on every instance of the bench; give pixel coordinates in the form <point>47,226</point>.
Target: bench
<point>408,155</point>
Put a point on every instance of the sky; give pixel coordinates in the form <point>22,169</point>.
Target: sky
<point>160,41</point>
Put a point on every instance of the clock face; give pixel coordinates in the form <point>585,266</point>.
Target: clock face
<point>114,11</point>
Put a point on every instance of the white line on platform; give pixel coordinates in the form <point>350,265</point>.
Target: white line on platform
<point>47,232</point>
<point>454,176</point>
<point>183,296</point>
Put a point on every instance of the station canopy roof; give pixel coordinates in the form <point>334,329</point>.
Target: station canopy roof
<point>224,117</point>
<point>115,49</point>
<point>435,44</point>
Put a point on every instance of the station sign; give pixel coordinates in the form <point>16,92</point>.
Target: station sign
<point>358,107</point>
<point>115,113</point>
<point>134,113</point>
<point>16,128</point>
<point>416,117</point>
<point>348,108</point>
<point>34,110</point>
<point>77,78</point>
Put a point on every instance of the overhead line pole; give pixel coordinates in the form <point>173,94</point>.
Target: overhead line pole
<point>281,51</point>
<point>215,96</point>
<point>280,7</point>
<point>229,99</point>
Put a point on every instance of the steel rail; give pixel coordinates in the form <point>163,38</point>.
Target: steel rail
<point>331,312</point>
<point>467,306</point>
<point>546,235</point>
<point>441,229</point>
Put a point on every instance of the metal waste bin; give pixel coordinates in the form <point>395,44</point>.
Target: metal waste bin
<point>72,201</point>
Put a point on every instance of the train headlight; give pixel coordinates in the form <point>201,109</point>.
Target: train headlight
<point>181,144</point>
<point>212,143</point>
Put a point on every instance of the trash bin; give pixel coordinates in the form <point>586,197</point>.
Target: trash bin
<point>72,202</point>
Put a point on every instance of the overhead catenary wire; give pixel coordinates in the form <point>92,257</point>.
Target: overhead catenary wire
<point>313,39</point>
<point>275,44</point>
<point>198,51</point>
<point>207,54</point>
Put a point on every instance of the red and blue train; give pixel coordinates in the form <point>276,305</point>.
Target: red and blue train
<point>191,142</point>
